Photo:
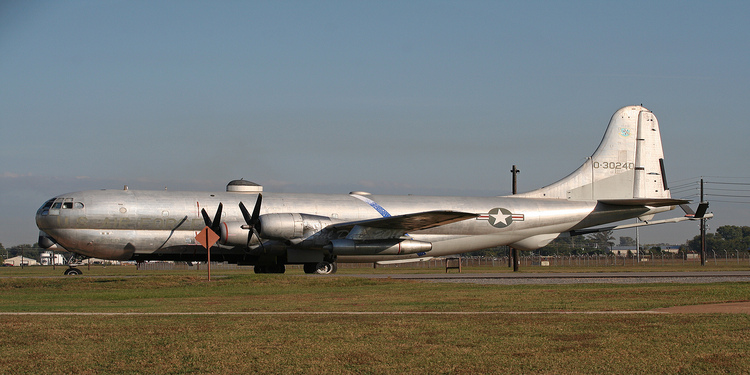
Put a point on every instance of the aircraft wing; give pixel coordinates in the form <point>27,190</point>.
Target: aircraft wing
<point>652,202</point>
<point>397,226</point>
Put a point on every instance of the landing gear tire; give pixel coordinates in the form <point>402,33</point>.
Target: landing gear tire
<point>325,268</point>
<point>72,271</point>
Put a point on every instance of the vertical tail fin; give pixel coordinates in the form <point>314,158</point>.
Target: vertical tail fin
<point>629,163</point>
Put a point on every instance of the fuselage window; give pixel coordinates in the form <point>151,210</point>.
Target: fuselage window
<point>77,205</point>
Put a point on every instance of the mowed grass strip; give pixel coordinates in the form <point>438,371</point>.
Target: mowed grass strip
<point>376,344</point>
<point>279,293</point>
<point>362,344</point>
<point>351,269</point>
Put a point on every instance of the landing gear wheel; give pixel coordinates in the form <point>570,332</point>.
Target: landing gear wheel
<point>72,271</point>
<point>325,268</point>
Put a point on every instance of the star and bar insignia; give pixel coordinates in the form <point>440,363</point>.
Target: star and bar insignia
<point>500,217</point>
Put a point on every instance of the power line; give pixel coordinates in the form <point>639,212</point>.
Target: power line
<point>728,183</point>
<point>720,189</point>
<point>727,195</point>
<point>683,191</point>
<point>723,201</point>
<point>729,177</point>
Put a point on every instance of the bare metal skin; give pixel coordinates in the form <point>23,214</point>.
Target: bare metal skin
<point>623,179</point>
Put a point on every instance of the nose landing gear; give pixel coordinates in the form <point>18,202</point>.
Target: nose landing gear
<point>73,263</point>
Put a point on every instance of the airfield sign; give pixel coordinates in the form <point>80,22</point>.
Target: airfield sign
<point>207,238</point>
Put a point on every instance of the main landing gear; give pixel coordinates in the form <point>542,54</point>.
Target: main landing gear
<point>320,268</point>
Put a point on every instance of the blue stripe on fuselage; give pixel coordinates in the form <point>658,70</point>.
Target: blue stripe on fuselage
<point>373,204</point>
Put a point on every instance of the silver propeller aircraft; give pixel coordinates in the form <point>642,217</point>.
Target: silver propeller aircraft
<point>623,179</point>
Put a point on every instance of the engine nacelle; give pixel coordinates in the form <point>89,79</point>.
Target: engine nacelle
<point>284,226</point>
<point>377,247</point>
<point>281,226</point>
<point>232,233</point>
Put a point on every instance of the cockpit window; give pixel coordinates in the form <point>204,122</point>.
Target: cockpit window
<point>59,203</point>
<point>46,206</point>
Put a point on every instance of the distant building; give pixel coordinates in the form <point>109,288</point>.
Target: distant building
<point>20,260</point>
<point>674,249</point>
<point>105,262</point>
<point>623,251</point>
<point>48,258</point>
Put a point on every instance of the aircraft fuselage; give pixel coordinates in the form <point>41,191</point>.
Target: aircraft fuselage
<point>624,178</point>
<point>148,225</point>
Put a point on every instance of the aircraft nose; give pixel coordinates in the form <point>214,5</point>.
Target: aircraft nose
<point>44,209</point>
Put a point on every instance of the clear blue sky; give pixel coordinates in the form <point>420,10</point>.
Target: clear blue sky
<point>392,97</point>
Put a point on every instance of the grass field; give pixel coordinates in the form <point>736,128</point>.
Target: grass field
<point>451,328</point>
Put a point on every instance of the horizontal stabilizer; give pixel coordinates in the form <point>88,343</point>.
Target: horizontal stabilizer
<point>688,211</point>
<point>641,224</point>
<point>651,202</point>
<point>702,207</point>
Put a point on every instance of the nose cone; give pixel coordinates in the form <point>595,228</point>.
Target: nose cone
<point>45,241</point>
<point>43,212</point>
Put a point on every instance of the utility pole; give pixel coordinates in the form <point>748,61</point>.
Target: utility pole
<point>513,252</point>
<point>703,232</point>
<point>637,244</point>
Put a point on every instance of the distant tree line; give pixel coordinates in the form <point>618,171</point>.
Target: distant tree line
<point>728,238</point>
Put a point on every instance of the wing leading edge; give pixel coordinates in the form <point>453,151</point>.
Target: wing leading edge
<point>399,225</point>
<point>651,202</point>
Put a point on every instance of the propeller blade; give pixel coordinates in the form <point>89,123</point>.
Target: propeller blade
<point>217,219</point>
<point>214,224</point>
<point>245,213</point>
<point>206,218</point>
<point>260,241</point>
<point>253,221</point>
<point>256,211</point>
<point>248,219</point>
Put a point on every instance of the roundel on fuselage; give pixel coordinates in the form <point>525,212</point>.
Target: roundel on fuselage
<point>500,217</point>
